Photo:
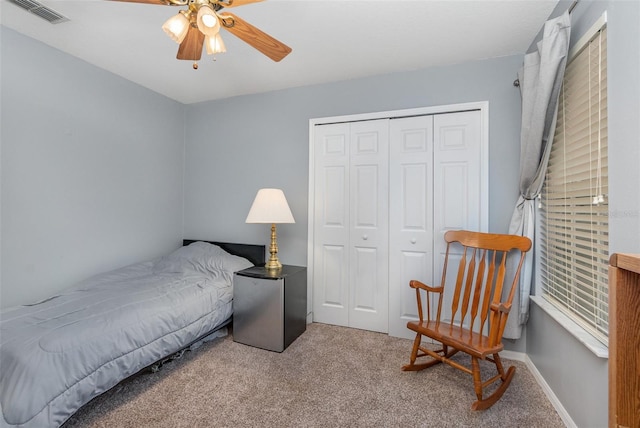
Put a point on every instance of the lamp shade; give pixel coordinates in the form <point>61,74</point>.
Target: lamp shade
<point>270,206</point>
<point>214,44</point>
<point>207,21</point>
<point>176,27</point>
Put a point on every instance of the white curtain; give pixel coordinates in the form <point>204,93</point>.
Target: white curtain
<point>540,82</point>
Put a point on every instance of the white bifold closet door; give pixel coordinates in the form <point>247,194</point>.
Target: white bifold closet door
<point>435,186</point>
<point>410,216</point>
<point>459,199</point>
<point>384,193</point>
<point>351,225</point>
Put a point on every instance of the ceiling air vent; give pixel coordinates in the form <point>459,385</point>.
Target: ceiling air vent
<point>41,10</point>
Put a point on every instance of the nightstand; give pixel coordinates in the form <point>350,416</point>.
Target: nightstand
<point>269,307</point>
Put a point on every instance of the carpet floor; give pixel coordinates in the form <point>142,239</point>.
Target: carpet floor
<point>329,377</point>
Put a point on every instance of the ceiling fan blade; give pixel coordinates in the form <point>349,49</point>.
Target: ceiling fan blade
<point>236,3</point>
<point>191,46</point>
<point>256,38</point>
<point>159,2</point>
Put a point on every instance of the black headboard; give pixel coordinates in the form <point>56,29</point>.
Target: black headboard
<point>254,253</point>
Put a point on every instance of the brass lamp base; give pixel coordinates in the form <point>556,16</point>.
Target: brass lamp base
<point>273,263</point>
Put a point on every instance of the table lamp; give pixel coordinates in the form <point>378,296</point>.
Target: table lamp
<point>270,206</point>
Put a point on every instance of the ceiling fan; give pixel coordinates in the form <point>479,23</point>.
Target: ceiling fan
<point>200,25</point>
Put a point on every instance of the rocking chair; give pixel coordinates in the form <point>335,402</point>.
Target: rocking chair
<point>478,311</point>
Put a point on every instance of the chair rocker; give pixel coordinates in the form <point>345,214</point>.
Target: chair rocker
<point>478,311</point>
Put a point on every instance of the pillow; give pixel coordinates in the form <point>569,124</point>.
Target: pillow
<point>201,257</point>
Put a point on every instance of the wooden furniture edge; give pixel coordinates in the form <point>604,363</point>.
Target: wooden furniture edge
<point>624,271</point>
<point>630,262</point>
<point>613,384</point>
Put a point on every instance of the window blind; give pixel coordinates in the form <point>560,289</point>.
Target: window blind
<point>574,212</point>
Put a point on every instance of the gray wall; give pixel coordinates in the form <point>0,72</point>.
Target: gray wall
<point>577,377</point>
<point>91,171</point>
<point>624,126</point>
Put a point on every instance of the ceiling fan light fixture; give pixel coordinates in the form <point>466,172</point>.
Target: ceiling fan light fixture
<point>200,25</point>
<point>207,21</point>
<point>214,44</point>
<point>177,26</point>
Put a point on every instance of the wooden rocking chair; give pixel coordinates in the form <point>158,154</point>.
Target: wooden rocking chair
<point>478,311</point>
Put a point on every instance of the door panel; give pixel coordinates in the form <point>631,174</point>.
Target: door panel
<point>350,227</point>
<point>457,185</point>
<point>364,291</point>
<point>333,282</point>
<point>331,225</point>
<point>453,208</point>
<point>365,201</point>
<point>410,216</point>
<point>368,237</point>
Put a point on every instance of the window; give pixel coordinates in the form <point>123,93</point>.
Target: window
<point>574,208</point>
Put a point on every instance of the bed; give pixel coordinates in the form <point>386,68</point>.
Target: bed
<point>58,354</point>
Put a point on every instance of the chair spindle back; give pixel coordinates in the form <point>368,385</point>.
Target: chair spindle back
<point>480,280</point>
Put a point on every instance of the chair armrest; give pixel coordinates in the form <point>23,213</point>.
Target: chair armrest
<point>417,284</point>
<point>500,307</point>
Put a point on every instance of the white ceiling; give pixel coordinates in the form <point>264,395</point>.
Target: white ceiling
<point>332,40</point>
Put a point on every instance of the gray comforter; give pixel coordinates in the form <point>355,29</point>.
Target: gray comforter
<point>58,354</point>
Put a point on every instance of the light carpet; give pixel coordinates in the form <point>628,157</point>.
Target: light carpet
<point>329,377</point>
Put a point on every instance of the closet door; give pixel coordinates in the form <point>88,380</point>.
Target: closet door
<point>350,280</point>
<point>410,217</point>
<point>368,233</point>
<point>384,192</point>
<point>458,192</point>
<point>331,224</point>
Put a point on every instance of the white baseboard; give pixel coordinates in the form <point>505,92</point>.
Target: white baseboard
<point>562,412</point>
<point>512,355</point>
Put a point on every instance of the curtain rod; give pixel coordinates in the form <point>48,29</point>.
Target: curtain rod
<point>516,82</point>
